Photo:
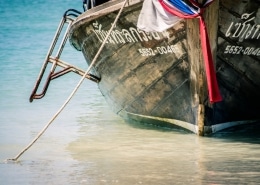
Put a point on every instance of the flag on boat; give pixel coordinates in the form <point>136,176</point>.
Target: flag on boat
<point>154,18</point>
<point>159,15</point>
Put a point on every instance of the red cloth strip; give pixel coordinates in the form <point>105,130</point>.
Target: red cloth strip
<point>213,89</point>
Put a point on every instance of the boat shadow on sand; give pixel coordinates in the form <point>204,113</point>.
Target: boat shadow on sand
<point>248,133</point>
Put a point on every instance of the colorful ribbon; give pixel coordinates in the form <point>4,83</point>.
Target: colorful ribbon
<point>189,10</point>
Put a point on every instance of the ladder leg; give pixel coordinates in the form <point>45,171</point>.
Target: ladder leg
<point>49,53</point>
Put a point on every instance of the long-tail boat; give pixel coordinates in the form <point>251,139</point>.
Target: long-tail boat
<point>201,73</point>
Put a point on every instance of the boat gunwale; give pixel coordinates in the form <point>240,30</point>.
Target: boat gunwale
<point>102,9</point>
<point>96,12</point>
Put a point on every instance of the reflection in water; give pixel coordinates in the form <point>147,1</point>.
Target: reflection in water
<point>93,146</point>
<point>115,152</point>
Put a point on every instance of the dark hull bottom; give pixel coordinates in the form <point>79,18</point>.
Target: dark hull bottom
<point>182,125</point>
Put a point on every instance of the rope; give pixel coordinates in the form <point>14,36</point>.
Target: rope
<point>75,89</point>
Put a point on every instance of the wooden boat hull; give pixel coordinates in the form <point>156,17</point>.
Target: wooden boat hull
<point>156,78</point>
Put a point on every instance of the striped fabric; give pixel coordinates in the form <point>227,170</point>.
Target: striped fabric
<point>192,9</point>
<point>185,9</point>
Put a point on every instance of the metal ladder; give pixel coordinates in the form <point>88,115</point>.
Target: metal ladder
<point>67,18</point>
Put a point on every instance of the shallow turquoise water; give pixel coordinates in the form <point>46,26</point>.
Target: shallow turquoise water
<point>87,143</point>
